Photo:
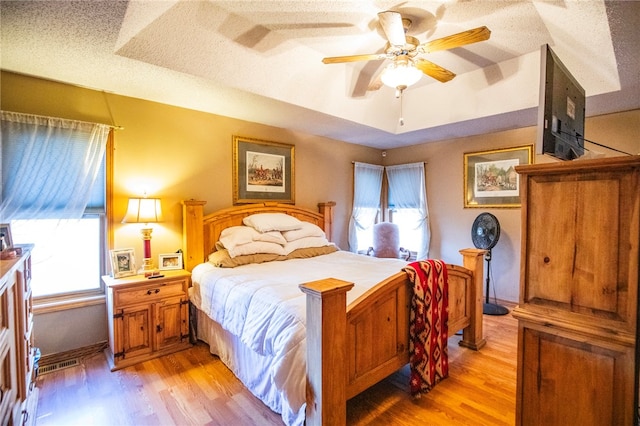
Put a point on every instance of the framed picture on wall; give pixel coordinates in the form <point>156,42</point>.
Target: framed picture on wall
<point>262,171</point>
<point>490,179</point>
<point>123,263</point>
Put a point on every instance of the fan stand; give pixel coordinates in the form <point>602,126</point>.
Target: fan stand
<point>489,308</point>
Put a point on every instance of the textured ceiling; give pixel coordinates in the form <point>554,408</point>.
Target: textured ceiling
<point>261,60</point>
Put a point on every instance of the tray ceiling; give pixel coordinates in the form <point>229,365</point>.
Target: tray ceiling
<point>261,60</point>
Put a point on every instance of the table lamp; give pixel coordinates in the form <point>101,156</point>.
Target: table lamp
<point>144,210</point>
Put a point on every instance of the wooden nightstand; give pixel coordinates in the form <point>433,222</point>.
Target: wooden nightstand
<point>148,317</point>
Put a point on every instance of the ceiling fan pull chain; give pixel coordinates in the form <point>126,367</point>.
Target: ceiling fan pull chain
<point>401,114</point>
<point>399,92</point>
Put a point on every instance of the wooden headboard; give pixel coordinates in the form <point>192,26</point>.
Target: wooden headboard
<point>200,233</point>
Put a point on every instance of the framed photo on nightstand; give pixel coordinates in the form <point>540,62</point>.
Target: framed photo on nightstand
<point>5,236</point>
<point>123,263</point>
<point>170,261</point>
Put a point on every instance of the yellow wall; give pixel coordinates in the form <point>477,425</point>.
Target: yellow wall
<point>176,154</point>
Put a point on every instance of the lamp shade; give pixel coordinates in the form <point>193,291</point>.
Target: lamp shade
<point>143,210</point>
<point>400,73</point>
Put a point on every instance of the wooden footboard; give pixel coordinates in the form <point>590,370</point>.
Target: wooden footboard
<point>350,348</point>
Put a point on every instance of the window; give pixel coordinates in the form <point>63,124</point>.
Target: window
<point>367,184</point>
<point>54,193</point>
<point>67,256</point>
<point>407,202</point>
<point>406,219</point>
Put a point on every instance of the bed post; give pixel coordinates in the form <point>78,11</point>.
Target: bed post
<point>472,337</point>
<point>326,209</point>
<point>326,351</point>
<point>192,236</point>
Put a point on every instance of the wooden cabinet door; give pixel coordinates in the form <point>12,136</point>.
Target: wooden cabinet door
<point>8,378</point>
<point>172,322</point>
<point>136,331</point>
<point>574,381</point>
<point>581,244</point>
<point>24,335</point>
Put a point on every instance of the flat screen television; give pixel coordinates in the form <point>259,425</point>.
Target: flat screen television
<point>561,109</point>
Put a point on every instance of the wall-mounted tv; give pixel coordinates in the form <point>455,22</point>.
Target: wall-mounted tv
<point>561,109</point>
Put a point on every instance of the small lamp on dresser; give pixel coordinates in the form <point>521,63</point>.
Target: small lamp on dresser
<point>144,210</point>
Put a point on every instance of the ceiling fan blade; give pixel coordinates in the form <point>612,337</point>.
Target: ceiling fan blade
<point>432,70</point>
<point>391,23</point>
<point>354,58</point>
<point>456,40</point>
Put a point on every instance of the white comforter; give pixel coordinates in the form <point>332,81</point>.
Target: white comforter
<point>263,305</point>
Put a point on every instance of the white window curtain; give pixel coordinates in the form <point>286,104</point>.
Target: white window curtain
<point>48,166</point>
<point>367,185</point>
<point>408,195</point>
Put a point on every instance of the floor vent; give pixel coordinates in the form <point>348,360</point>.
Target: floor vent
<point>58,366</point>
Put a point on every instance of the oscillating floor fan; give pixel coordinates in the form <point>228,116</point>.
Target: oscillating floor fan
<point>485,233</point>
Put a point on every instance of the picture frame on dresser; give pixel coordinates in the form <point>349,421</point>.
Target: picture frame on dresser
<point>123,262</point>
<point>262,171</point>
<point>169,261</point>
<point>5,236</point>
<point>490,179</point>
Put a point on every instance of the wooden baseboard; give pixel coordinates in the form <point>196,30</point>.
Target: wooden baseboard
<point>71,354</point>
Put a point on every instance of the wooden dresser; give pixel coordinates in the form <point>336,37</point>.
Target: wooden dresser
<point>18,396</point>
<point>578,307</point>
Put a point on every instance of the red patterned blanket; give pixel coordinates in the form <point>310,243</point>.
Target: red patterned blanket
<point>428,328</point>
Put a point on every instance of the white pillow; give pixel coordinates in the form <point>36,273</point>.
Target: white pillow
<point>305,243</point>
<point>256,247</point>
<point>307,230</point>
<point>237,235</point>
<point>269,237</point>
<point>265,222</point>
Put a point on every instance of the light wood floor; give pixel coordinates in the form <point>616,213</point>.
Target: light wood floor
<point>193,387</point>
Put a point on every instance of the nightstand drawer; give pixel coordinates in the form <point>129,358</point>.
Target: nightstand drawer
<point>149,293</point>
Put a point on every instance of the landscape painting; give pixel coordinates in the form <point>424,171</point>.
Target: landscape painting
<point>262,171</point>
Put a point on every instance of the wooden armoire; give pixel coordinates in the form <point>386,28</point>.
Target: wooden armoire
<point>578,306</point>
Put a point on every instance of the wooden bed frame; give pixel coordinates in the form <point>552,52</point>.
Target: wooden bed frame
<point>349,348</point>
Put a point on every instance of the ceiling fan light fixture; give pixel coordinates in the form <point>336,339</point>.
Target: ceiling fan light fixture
<point>400,73</point>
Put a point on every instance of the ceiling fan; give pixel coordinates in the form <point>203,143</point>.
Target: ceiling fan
<point>406,68</point>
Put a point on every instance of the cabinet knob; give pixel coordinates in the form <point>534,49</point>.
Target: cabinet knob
<point>158,328</point>
<point>546,259</point>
